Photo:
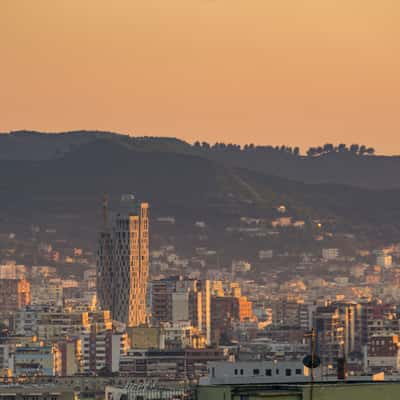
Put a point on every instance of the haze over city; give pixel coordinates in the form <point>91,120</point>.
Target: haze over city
<point>289,72</point>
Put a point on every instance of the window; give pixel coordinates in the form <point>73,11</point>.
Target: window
<point>256,371</point>
<point>268,372</point>
<point>236,371</point>
<point>277,371</point>
<point>241,372</point>
<point>288,372</point>
<point>213,372</point>
<point>298,371</point>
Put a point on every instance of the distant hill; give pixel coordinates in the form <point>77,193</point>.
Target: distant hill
<point>374,172</point>
<point>66,176</point>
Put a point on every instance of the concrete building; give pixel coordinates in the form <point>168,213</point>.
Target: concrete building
<point>180,306</point>
<point>256,372</point>
<point>330,254</point>
<point>36,359</point>
<point>14,294</point>
<point>40,272</point>
<point>59,324</point>
<point>199,306</point>
<point>101,346</point>
<point>376,319</point>
<point>25,321</point>
<point>383,259</point>
<point>12,271</point>
<point>168,365</point>
<point>161,299</point>
<point>330,334</point>
<point>5,357</point>
<point>240,266</point>
<point>177,299</point>
<point>225,311</point>
<point>181,335</point>
<point>47,293</point>
<point>383,353</point>
<point>37,392</point>
<point>289,313</point>
<point>70,350</point>
<point>123,262</point>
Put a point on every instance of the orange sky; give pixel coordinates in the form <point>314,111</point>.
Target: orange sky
<point>299,72</point>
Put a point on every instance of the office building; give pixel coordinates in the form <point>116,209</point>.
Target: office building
<point>123,262</point>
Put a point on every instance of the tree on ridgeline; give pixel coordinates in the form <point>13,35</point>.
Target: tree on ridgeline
<point>363,150</point>
<point>316,151</point>
<point>329,148</point>
<point>370,151</point>
<point>311,152</point>
<point>354,148</point>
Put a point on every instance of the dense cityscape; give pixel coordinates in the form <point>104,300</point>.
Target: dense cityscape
<point>127,317</point>
<point>199,200</point>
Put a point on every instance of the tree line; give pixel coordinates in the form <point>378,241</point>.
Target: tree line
<point>246,148</point>
<point>328,148</point>
<point>356,149</point>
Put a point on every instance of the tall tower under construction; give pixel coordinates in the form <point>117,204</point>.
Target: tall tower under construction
<point>123,261</point>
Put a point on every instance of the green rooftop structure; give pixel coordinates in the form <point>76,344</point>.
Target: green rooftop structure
<point>318,391</point>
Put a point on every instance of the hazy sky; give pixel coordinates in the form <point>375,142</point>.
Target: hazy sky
<point>300,72</point>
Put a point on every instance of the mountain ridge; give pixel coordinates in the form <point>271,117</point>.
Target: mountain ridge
<point>371,171</point>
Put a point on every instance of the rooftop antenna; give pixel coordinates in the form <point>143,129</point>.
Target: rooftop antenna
<point>311,360</point>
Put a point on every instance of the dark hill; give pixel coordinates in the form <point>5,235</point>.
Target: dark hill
<point>181,184</point>
<point>374,172</point>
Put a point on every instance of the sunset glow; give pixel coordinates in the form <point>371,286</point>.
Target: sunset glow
<point>298,72</point>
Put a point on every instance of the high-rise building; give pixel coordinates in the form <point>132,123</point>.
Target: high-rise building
<point>330,334</point>
<point>192,299</point>
<point>161,299</point>
<point>176,299</point>
<point>123,262</point>
<point>14,294</point>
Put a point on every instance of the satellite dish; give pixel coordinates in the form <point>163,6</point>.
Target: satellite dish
<point>311,362</point>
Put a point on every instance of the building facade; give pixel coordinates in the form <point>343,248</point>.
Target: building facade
<point>14,294</point>
<point>37,359</point>
<point>123,262</point>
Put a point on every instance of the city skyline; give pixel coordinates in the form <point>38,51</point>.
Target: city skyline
<point>199,199</point>
<point>288,72</point>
